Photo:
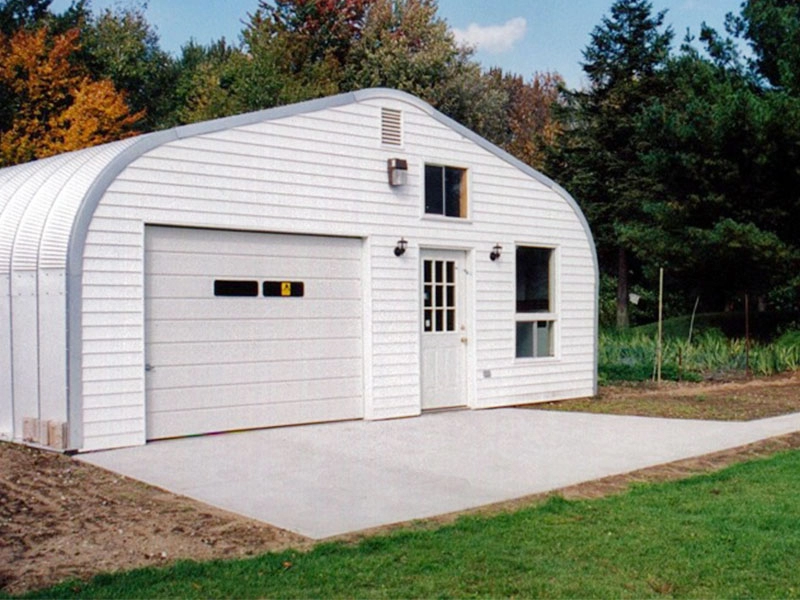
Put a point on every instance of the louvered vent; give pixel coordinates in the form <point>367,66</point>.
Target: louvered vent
<point>391,127</point>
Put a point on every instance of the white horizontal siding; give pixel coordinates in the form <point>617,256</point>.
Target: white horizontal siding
<point>324,173</point>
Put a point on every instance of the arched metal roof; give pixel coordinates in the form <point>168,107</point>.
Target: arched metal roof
<point>46,205</point>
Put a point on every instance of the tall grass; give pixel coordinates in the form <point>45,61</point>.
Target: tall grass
<point>631,355</point>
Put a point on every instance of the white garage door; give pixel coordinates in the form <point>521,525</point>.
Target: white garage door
<point>250,330</point>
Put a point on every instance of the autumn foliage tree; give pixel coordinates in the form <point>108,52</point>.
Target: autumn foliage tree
<point>52,104</point>
<point>532,125</point>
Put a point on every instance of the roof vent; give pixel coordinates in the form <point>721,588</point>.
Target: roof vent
<point>391,127</point>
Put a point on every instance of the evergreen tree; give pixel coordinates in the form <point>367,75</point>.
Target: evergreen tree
<point>599,158</point>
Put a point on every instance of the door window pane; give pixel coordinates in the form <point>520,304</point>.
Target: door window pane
<point>439,296</point>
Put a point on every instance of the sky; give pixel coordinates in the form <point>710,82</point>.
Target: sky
<point>520,36</point>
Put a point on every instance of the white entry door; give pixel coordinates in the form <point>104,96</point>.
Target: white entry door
<point>444,331</point>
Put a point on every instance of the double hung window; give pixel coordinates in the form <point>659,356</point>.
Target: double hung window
<point>535,313</point>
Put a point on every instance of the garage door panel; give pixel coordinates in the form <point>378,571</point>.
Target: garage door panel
<point>246,394</point>
<point>175,240</point>
<point>219,363</point>
<point>245,308</point>
<point>181,423</point>
<point>265,267</point>
<point>251,330</point>
<point>251,353</point>
<point>202,287</point>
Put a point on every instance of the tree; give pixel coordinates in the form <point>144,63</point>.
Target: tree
<point>55,106</point>
<point>723,151</point>
<point>599,159</point>
<point>214,82</point>
<point>772,27</point>
<point>298,49</point>
<point>406,46</point>
<point>120,45</point>
<point>19,14</point>
<point>532,128</point>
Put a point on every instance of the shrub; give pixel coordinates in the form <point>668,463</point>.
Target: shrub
<point>631,355</point>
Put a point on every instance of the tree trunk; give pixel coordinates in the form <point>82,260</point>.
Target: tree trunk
<point>623,320</point>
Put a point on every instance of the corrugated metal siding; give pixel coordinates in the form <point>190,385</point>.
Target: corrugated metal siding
<point>38,206</point>
<point>325,173</point>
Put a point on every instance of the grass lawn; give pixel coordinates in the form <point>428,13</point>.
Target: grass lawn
<point>734,533</point>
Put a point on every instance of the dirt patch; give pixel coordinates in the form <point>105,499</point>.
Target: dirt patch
<point>741,400</point>
<point>60,518</point>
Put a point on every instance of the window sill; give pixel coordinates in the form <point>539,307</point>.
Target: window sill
<point>533,317</point>
<point>536,359</point>
<point>444,219</point>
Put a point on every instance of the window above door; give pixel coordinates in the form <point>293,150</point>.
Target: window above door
<point>446,191</point>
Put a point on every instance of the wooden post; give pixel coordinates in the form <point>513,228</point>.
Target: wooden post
<point>747,334</point>
<point>660,324</point>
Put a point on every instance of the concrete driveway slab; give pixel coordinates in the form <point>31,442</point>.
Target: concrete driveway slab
<point>334,478</point>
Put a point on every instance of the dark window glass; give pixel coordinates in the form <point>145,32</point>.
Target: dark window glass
<point>434,198</point>
<point>453,187</point>
<point>227,287</point>
<point>445,191</point>
<point>533,279</point>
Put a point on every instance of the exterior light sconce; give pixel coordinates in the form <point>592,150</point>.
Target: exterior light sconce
<point>400,249</point>
<point>398,171</point>
<point>495,254</point>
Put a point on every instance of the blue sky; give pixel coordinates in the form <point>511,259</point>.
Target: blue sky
<point>522,36</point>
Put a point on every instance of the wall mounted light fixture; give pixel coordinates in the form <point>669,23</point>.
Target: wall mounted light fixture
<point>495,254</point>
<point>400,249</point>
<point>398,171</point>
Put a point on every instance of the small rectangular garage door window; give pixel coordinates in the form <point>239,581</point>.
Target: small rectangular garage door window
<point>231,287</point>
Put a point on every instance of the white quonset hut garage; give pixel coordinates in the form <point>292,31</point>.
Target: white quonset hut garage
<point>359,256</point>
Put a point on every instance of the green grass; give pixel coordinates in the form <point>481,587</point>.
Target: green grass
<point>734,533</point>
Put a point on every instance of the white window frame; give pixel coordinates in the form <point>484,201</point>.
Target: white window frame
<point>551,316</point>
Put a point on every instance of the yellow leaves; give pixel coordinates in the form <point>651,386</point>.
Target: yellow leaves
<point>56,106</point>
<point>36,64</point>
<point>98,114</point>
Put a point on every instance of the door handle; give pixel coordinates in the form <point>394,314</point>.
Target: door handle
<point>148,367</point>
<point>463,340</point>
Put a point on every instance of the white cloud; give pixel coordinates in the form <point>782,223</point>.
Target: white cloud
<point>494,39</point>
